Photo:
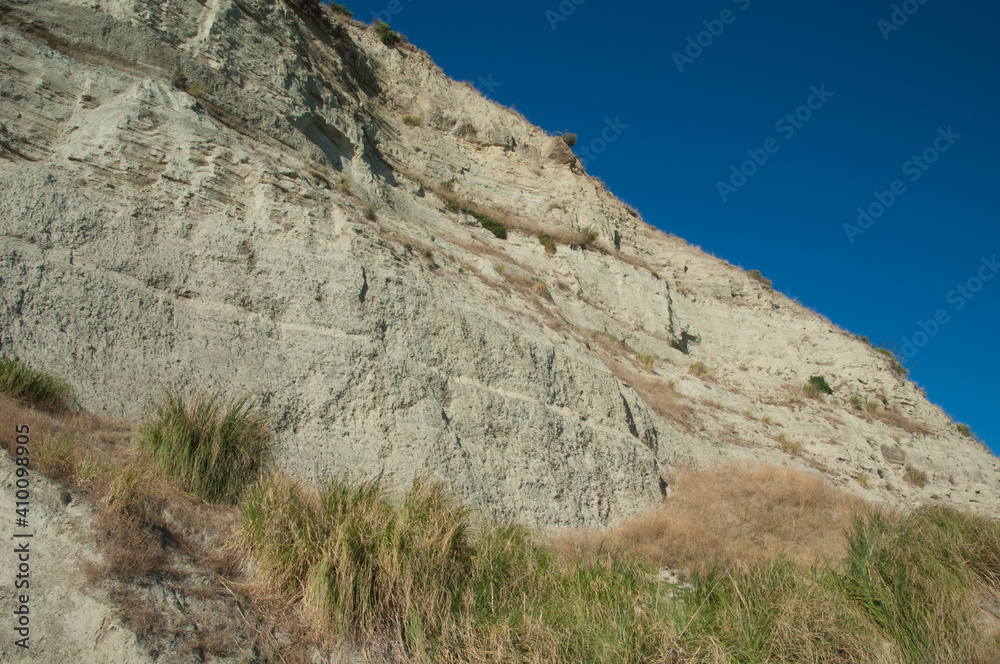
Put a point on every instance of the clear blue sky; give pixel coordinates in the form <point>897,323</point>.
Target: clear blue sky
<point>925,88</point>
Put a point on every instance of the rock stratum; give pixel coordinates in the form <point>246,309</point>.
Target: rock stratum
<point>268,223</point>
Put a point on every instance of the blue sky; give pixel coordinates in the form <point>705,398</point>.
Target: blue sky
<point>825,107</point>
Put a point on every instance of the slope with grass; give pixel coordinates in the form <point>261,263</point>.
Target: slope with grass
<point>358,572</point>
<point>229,196</point>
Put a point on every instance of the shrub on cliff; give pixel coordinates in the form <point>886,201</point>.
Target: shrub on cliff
<point>385,33</point>
<point>817,387</point>
<point>341,9</point>
<point>760,278</point>
<point>546,241</point>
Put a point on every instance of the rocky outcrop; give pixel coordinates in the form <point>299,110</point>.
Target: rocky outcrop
<point>558,151</point>
<point>276,228</point>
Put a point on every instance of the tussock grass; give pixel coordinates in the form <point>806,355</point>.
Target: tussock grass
<point>447,586</point>
<point>898,420</point>
<point>214,448</point>
<point>778,611</point>
<point>444,585</point>
<point>547,242</point>
<point>816,387</point>
<point>915,576</point>
<point>38,388</point>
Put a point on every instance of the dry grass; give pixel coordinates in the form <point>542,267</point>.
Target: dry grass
<point>513,222</point>
<point>656,392</point>
<point>700,369</point>
<point>635,261</point>
<point>525,283</point>
<point>131,547</point>
<point>86,429</point>
<point>733,515</point>
<point>141,516</point>
<point>900,421</point>
<point>915,477</point>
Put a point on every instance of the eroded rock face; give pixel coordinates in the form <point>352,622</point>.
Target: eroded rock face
<point>559,152</point>
<point>154,238</point>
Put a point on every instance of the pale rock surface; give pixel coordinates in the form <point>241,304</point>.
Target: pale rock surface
<point>70,619</point>
<point>152,239</point>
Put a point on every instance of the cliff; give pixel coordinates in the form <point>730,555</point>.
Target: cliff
<point>263,197</point>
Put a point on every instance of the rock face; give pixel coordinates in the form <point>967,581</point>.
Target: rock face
<point>276,228</point>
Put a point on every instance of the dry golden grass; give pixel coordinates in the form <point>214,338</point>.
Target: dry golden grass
<point>655,391</point>
<point>635,261</point>
<point>732,515</point>
<point>900,421</point>
<point>701,370</point>
<point>130,546</point>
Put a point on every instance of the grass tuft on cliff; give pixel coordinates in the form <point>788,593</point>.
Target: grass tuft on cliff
<point>212,447</point>
<point>37,388</point>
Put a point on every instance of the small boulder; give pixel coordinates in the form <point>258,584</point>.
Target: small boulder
<point>894,455</point>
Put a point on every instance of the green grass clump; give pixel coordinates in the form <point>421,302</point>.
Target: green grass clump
<point>792,447</point>
<point>646,359</point>
<point>857,403</point>
<point>385,33</point>
<point>38,388</point>
<point>213,448</point>
<point>569,139</point>
<point>546,241</point>
<point>586,237</point>
<point>964,430</point>
<point>412,121</point>
<point>816,387</point>
<point>915,477</point>
<point>776,611</point>
<point>914,577</point>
